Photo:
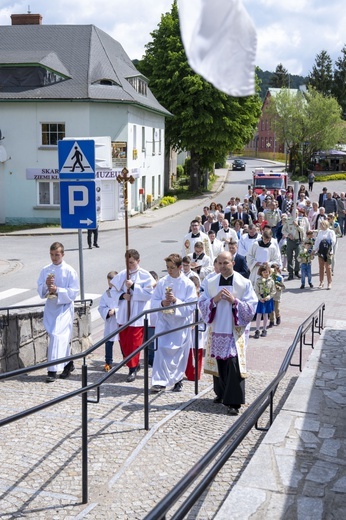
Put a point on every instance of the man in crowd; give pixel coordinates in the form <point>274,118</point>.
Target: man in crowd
<point>226,234</point>
<point>216,244</point>
<point>247,239</point>
<point>196,235</point>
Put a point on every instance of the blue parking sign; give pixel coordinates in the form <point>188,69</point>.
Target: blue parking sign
<point>78,205</point>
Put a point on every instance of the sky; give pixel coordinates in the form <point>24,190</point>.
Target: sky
<point>290,32</point>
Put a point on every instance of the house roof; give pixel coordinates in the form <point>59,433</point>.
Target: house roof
<point>79,56</point>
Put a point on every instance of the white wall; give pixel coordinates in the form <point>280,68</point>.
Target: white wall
<point>21,126</point>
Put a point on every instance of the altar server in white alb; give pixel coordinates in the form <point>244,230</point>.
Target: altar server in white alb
<point>132,289</point>
<point>58,283</point>
<point>108,311</point>
<point>173,349</point>
<point>228,305</point>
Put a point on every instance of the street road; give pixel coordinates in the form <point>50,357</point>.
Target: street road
<point>153,241</point>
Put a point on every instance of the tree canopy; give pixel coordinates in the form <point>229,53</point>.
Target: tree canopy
<point>321,76</point>
<point>206,122</point>
<point>280,78</point>
<point>305,122</point>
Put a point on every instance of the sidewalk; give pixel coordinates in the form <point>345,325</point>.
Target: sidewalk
<point>299,470</point>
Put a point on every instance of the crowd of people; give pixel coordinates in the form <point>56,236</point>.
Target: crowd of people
<point>235,259</point>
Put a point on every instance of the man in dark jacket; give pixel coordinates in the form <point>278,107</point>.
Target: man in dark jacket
<point>240,264</point>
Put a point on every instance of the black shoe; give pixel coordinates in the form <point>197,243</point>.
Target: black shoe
<point>51,377</point>
<point>290,277</point>
<point>217,400</point>
<point>311,285</point>
<point>257,334</point>
<point>131,377</point>
<point>271,325</point>
<point>178,387</point>
<point>90,247</point>
<point>157,388</point>
<point>233,411</point>
<point>297,275</point>
<point>96,245</point>
<point>302,286</point>
<point>67,370</point>
<point>264,333</point>
<point>278,321</point>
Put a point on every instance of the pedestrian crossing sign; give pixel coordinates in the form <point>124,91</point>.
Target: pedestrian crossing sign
<point>76,159</point>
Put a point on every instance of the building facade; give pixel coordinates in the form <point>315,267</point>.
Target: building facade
<point>61,82</point>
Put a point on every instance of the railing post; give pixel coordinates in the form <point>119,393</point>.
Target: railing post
<point>146,375</point>
<point>84,435</point>
<point>196,350</point>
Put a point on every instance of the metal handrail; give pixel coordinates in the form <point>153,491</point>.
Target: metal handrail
<point>4,321</point>
<point>87,388</point>
<point>238,430</point>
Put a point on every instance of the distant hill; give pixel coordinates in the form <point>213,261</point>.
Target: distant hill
<point>265,77</point>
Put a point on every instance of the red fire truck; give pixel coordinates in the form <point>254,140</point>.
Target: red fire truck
<point>270,180</point>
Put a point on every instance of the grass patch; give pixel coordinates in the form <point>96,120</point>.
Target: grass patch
<point>9,228</point>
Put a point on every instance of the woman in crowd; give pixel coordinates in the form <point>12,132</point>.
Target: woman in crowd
<point>324,248</point>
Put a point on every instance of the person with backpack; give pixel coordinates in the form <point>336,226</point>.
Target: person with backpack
<point>324,248</point>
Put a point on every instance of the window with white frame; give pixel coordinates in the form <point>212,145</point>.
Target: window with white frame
<point>153,187</point>
<point>134,137</point>
<point>48,193</point>
<point>51,133</point>
<point>143,138</point>
<point>160,141</point>
<point>153,141</point>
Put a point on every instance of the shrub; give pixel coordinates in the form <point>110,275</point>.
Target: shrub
<point>167,200</point>
<point>180,170</point>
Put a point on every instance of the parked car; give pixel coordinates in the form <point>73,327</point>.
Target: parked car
<point>238,164</point>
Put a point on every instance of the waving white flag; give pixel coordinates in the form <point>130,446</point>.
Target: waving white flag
<point>220,43</point>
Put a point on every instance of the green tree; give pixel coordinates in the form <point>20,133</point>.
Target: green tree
<point>305,122</point>
<point>339,85</point>
<point>280,77</point>
<point>321,76</point>
<point>205,121</point>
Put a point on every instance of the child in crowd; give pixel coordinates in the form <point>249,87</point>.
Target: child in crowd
<point>191,362</point>
<point>108,311</point>
<point>152,322</point>
<point>279,285</point>
<point>305,257</point>
<point>265,290</point>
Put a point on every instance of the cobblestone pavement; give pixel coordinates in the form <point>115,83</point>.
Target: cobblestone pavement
<point>131,469</point>
<point>303,457</point>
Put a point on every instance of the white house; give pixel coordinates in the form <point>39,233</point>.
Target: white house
<point>61,81</point>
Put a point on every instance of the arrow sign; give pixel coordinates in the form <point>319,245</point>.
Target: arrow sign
<point>78,204</point>
<point>87,221</point>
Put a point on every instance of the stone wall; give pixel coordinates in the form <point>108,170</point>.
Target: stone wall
<point>24,341</point>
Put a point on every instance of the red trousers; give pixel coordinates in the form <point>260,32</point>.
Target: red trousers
<point>191,364</point>
<point>130,339</point>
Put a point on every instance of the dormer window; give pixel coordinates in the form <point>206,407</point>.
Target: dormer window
<point>107,82</point>
<point>139,84</point>
<point>27,76</point>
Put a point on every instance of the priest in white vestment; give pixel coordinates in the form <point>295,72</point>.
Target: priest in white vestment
<point>262,251</point>
<point>196,235</point>
<point>228,304</point>
<point>173,348</point>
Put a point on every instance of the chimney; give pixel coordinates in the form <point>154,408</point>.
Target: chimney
<point>26,19</point>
